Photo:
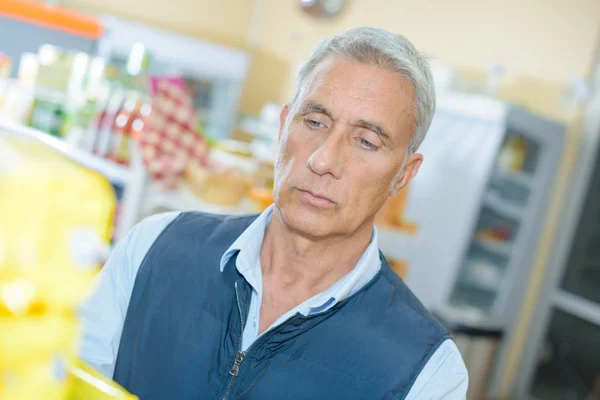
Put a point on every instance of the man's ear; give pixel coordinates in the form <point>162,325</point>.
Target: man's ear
<point>410,171</point>
<point>282,117</point>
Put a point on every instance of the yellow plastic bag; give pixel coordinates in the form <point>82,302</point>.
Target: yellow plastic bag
<point>48,205</point>
<point>37,338</point>
<point>89,384</point>
<point>55,218</point>
<point>37,379</point>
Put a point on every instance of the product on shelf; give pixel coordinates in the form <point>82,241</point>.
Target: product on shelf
<point>495,234</point>
<point>49,113</point>
<point>5,66</point>
<point>485,274</point>
<point>106,122</point>
<point>392,214</point>
<point>140,115</point>
<point>49,252</point>
<point>89,384</point>
<point>170,140</point>
<point>138,64</point>
<point>83,129</point>
<point>95,107</point>
<point>261,196</point>
<point>59,89</point>
<point>134,131</point>
<point>28,70</point>
<point>226,188</point>
<point>15,101</point>
<point>513,154</point>
<point>118,148</point>
<point>228,176</point>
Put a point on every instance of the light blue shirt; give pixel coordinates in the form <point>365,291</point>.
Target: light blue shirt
<point>249,244</point>
<point>443,377</point>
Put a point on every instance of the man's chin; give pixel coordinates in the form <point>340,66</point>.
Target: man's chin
<point>307,221</point>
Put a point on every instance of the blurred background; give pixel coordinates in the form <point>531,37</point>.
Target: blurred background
<point>153,106</point>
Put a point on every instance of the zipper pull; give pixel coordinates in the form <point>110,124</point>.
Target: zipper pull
<point>236,364</point>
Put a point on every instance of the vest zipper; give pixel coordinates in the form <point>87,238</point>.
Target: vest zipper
<point>239,357</point>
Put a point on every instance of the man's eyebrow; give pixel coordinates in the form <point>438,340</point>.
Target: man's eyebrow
<point>314,107</point>
<point>378,129</point>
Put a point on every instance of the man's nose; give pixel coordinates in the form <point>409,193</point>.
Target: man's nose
<point>328,158</point>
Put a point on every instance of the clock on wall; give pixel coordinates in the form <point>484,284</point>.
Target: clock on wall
<point>323,9</point>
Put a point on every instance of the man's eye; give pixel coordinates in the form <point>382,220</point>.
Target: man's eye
<point>367,145</point>
<point>313,123</point>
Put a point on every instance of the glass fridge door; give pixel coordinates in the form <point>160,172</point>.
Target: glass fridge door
<point>214,74</point>
<point>582,276</point>
<point>215,98</point>
<point>505,207</point>
<point>569,363</point>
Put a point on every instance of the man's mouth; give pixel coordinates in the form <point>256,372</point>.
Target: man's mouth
<point>316,199</point>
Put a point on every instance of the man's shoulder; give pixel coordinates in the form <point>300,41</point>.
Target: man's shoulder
<point>157,222</point>
<point>184,236</point>
<point>182,229</point>
<point>403,304</point>
<point>178,222</point>
<point>387,309</point>
<point>387,324</point>
<point>209,227</point>
<point>390,311</point>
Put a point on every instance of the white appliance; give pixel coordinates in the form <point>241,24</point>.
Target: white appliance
<point>462,190</point>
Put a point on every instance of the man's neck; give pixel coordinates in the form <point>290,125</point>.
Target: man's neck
<point>306,264</point>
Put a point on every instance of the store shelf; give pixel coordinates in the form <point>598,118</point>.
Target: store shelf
<point>182,200</point>
<point>116,173</point>
<point>470,282</point>
<point>520,178</point>
<point>503,207</point>
<point>503,249</point>
<point>482,274</point>
<point>578,306</point>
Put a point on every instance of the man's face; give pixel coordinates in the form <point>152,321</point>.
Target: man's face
<point>342,143</point>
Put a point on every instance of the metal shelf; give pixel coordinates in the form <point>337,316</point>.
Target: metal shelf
<point>116,173</point>
<point>470,282</point>
<point>521,178</point>
<point>578,306</point>
<point>501,249</point>
<point>503,207</point>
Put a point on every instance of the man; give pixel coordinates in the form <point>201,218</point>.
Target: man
<point>296,303</point>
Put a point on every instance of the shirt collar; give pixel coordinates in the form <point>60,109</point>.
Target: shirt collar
<point>366,268</point>
<point>251,239</point>
<point>249,244</point>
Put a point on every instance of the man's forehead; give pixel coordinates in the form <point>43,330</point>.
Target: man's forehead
<point>360,91</point>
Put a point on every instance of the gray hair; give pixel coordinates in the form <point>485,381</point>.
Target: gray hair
<point>387,50</point>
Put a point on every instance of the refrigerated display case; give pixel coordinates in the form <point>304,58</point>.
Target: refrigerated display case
<point>213,74</point>
<point>497,257</point>
<point>37,23</point>
<point>561,357</point>
<point>479,201</point>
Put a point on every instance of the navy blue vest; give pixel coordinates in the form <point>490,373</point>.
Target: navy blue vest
<point>182,333</point>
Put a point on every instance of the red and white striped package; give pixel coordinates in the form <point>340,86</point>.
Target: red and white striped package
<point>170,141</point>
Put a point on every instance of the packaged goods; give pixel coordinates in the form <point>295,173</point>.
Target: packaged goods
<point>56,221</point>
